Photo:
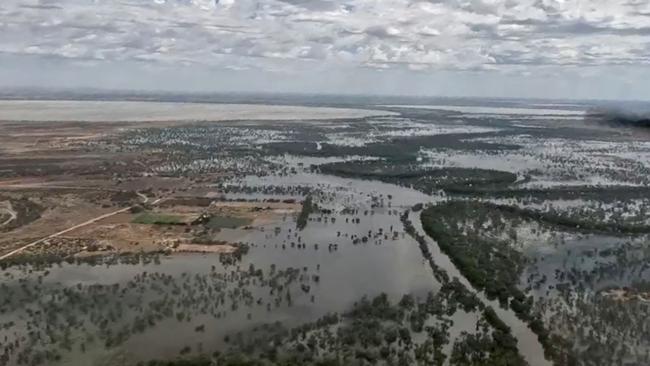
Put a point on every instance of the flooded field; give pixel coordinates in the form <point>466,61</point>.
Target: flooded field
<point>435,234</point>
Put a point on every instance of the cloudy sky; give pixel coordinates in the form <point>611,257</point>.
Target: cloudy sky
<point>527,48</point>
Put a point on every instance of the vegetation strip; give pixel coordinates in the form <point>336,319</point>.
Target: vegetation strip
<point>490,265</point>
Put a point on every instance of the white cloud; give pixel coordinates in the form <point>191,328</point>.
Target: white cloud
<point>168,30</point>
<point>427,36</point>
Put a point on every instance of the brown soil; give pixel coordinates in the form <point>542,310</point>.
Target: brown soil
<point>127,237</point>
<point>71,173</point>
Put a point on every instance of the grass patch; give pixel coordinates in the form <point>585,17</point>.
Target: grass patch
<point>227,222</point>
<point>151,218</point>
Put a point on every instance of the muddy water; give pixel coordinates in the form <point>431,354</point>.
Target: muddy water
<point>390,263</point>
<point>352,191</point>
<point>595,257</point>
<point>352,271</point>
<point>528,343</point>
<point>347,271</point>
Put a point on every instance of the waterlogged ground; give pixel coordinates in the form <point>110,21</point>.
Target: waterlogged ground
<point>324,268</point>
<point>554,209</point>
<point>393,267</point>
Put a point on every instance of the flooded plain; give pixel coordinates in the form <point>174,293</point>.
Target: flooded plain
<point>316,218</point>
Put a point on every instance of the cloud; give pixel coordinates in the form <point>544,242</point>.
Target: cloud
<point>422,36</point>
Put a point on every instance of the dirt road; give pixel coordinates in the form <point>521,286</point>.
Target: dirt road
<point>39,241</point>
<point>92,221</point>
<point>5,207</point>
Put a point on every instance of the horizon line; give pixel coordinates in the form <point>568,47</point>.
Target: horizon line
<point>6,94</point>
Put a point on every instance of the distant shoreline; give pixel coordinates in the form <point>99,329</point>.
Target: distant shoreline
<point>153,111</point>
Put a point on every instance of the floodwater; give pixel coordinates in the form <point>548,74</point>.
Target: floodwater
<point>527,343</point>
<point>598,261</point>
<point>405,198</point>
<point>389,261</point>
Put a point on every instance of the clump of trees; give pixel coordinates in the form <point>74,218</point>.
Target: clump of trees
<point>375,331</point>
<point>308,206</point>
<point>427,180</point>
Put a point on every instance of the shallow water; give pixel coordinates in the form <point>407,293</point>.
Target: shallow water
<point>346,270</point>
<point>390,263</point>
<point>589,259</point>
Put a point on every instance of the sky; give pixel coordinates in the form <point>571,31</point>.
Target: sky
<point>577,49</point>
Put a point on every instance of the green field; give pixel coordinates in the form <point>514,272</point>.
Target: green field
<point>151,218</point>
<point>227,222</point>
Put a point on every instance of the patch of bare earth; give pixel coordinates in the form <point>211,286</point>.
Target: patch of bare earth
<point>202,248</point>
